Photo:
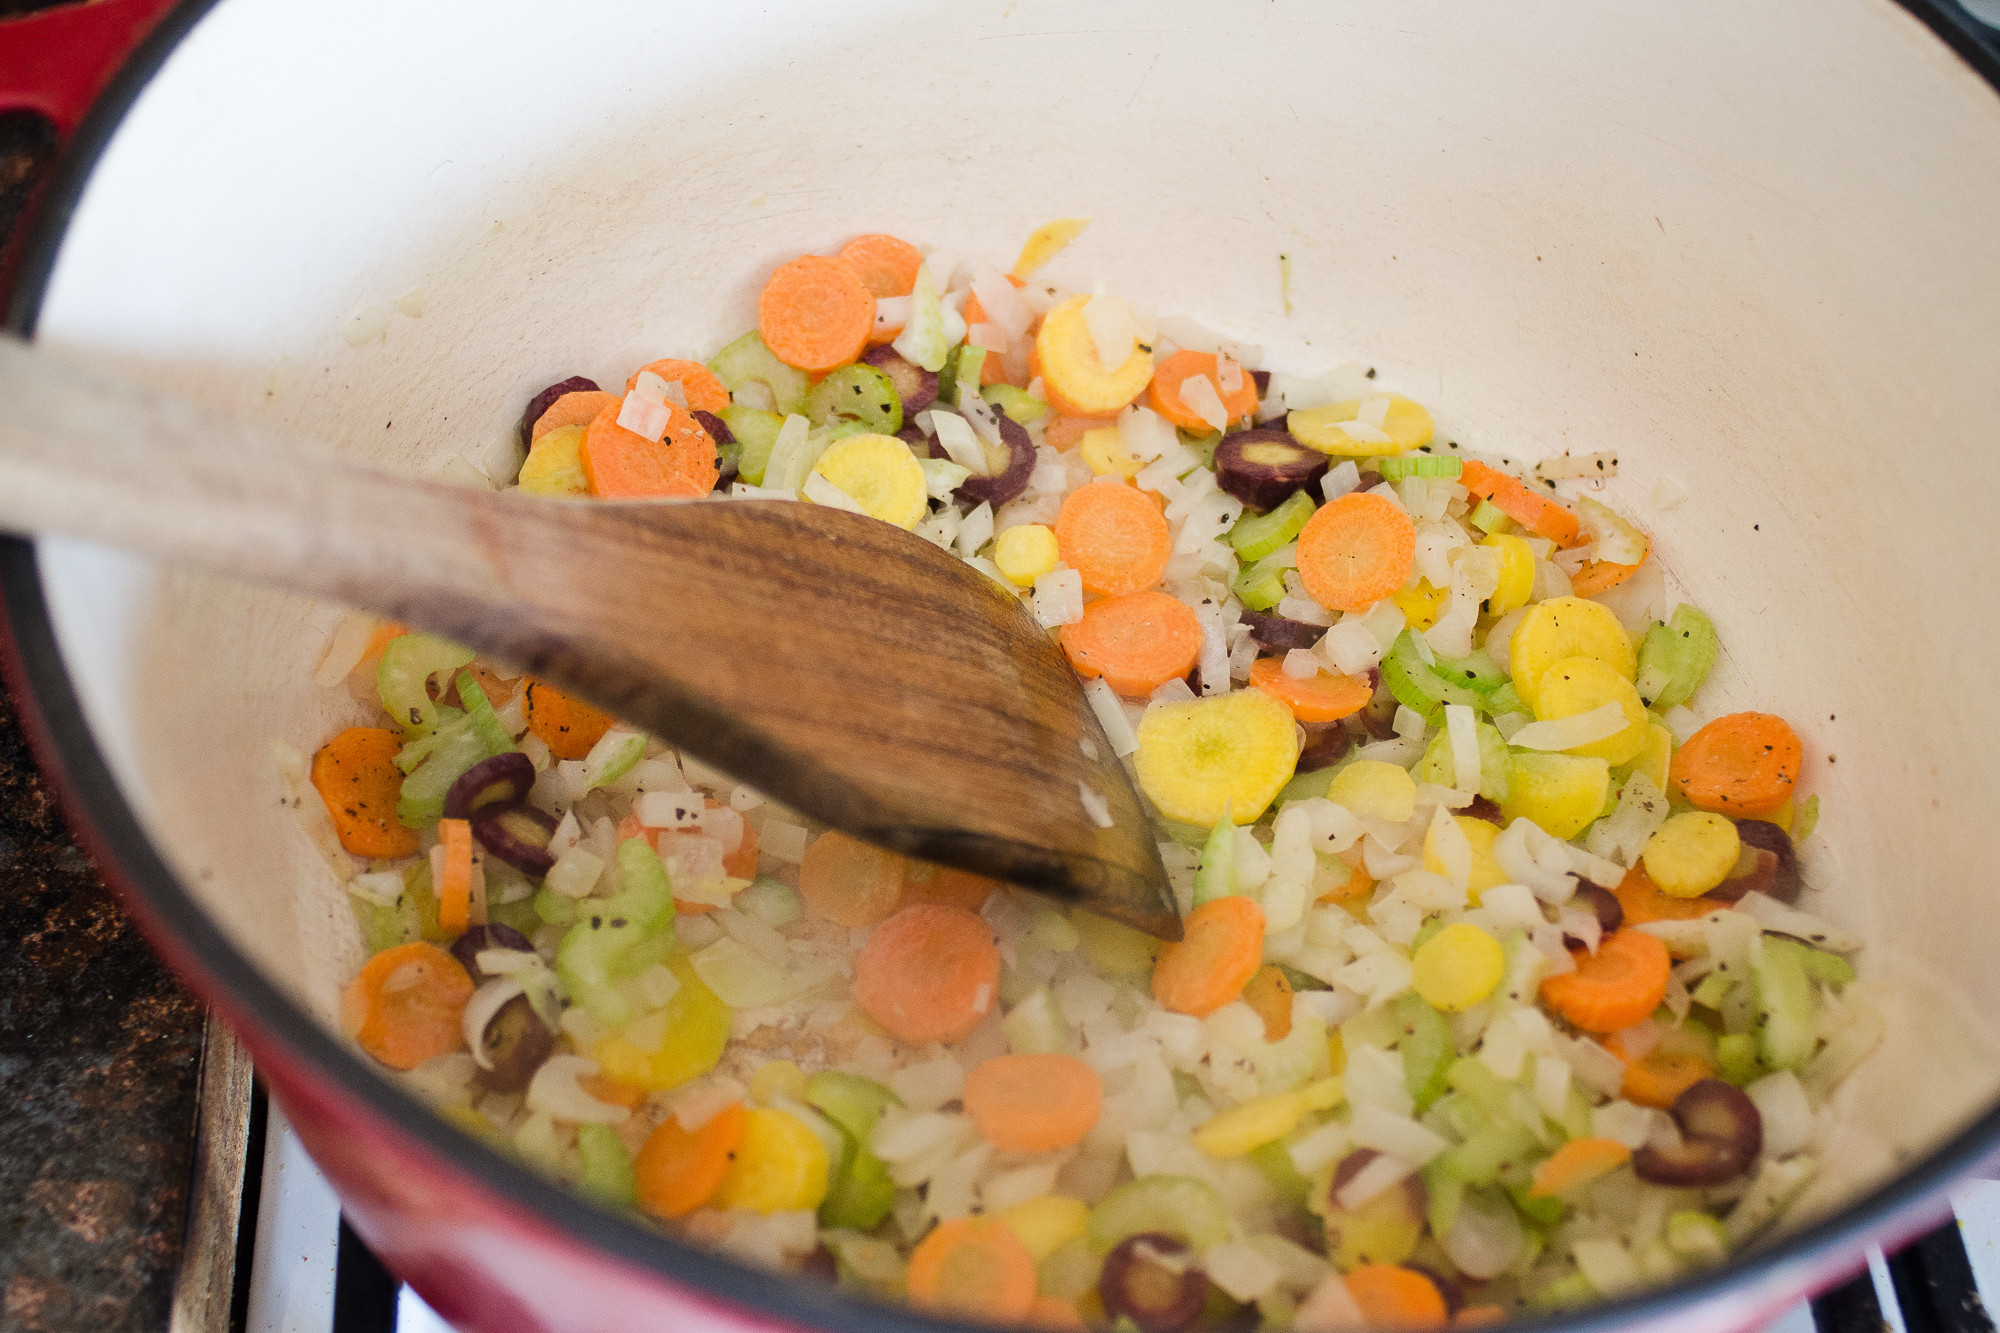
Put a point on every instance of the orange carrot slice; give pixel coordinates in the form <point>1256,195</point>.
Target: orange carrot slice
<point>1601,576</point>
<point>1221,946</point>
<point>973,1266</point>
<point>850,882</point>
<point>1394,1297</point>
<point>1064,433</point>
<point>572,409</point>
<point>1355,551</point>
<point>355,773</point>
<point>1033,1103</point>
<point>624,465</point>
<point>1164,394</point>
<point>1511,496</point>
<point>1642,901</point>
<point>1326,697</point>
<point>569,727</point>
<point>928,974</point>
<point>407,1005</point>
<point>1745,764</point>
<point>1113,535</point>
<point>1617,987</point>
<point>816,313</point>
<point>927,883</point>
<point>1271,996</point>
<point>1577,1162</point>
<point>614,1091</point>
<point>454,889</point>
<point>679,1170</point>
<point>886,266</point>
<point>703,391</point>
<point>1137,642</point>
<point>1661,1075</point>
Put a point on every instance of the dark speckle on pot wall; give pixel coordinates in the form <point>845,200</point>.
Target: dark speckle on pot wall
<point>99,1047</point>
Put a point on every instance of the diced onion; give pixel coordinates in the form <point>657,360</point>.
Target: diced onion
<point>1566,733</point>
<point>1112,330</point>
<point>644,419</point>
<point>1198,392</point>
<point>554,1091</point>
<point>1363,432</point>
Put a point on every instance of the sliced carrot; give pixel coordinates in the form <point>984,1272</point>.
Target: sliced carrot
<point>1326,697</point>
<point>407,1005</point>
<point>928,974</point>
<point>569,727</point>
<point>1512,497</point>
<point>355,773</point>
<point>614,1091</point>
<point>1391,1296</point>
<point>1164,394</point>
<point>703,391</point>
<point>385,633</point>
<point>973,1266</point>
<point>1355,551</point>
<point>1360,887</point>
<point>1661,1075</point>
<point>625,465</point>
<point>1745,764</point>
<point>816,313</point>
<point>886,266</point>
<point>850,882</point>
<point>1137,642</point>
<point>1066,432</point>
<point>1601,576</point>
<point>1615,988</point>
<point>1114,536</point>
<point>1221,946</point>
<point>679,1169</point>
<point>1642,900</point>
<point>1479,1316</point>
<point>454,889</point>
<point>572,409</point>
<point>1271,996</point>
<point>927,883</point>
<point>1033,1103</point>
<point>1577,1162</point>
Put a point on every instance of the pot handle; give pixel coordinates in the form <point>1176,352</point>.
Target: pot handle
<point>53,67</point>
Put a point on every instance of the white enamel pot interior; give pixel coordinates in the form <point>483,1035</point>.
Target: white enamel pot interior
<point>1749,247</point>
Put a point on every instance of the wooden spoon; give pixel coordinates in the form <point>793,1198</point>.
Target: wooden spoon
<point>841,665</point>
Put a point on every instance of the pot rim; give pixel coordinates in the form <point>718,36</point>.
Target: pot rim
<point>53,720</point>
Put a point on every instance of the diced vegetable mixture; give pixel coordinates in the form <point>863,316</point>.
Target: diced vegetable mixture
<point>1495,994</point>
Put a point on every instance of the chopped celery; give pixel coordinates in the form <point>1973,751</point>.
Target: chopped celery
<point>1418,465</point>
<point>615,754</point>
<point>1675,658</point>
<point>1428,1048</point>
<point>850,1101</point>
<point>1202,446</point>
<point>458,745</point>
<point>1806,820</point>
<point>1258,535</point>
<point>1430,927</point>
<point>1507,699</point>
<point>926,338</point>
<point>1545,1211</point>
<point>419,749</point>
<point>1372,1027</point>
<point>862,1192</point>
<point>402,680</point>
<point>749,361</point>
<point>1307,786</point>
<point>1416,685</point>
<point>1477,671</point>
<point>1562,1294</point>
<point>756,431</point>
<point>857,392</point>
<point>1019,405</point>
<point>619,937</point>
<point>1736,1058</point>
<point>1276,1163</point>
<point>1444,1192</point>
<point>1489,519</point>
<point>553,908</point>
<point>413,917</point>
<point>607,1168</point>
<point>1697,1236</point>
<point>1262,586</point>
<point>519,914</point>
<point>1481,1158</point>
<point>1035,1026</point>
<point>1786,1004</point>
<point>1176,1205</point>
<point>1438,767</point>
<point>1216,877</point>
<point>1830,968</point>
<point>1709,992</point>
<point>963,368</point>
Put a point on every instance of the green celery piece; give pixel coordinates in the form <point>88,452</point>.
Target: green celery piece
<point>1656,663</point>
<point>1806,820</point>
<point>1430,927</point>
<point>407,665</point>
<point>1262,586</point>
<point>1372,1027</point>
<point>1829,968</point>
<point>1179,1206</point>
<point>1562,1294</point>
<point>606,763</point>
<point>1489,519</point>
<point>862,1192</point>
<point>1405,689</point>
<point>381,927</point>
<point>850,1101</point>
<point>1258,535</point>
<point>607,1176</point>
<point>1576,1117</point>
<point>1276,1163</point>
<point>1475,670</point>
<point>1427,1045</point>
<point>967,362</point>
<point>1444,1191</point>
<point>1019,405</point>
<point>413,916</point>
<point>1479,1160</point>
<point>1675,658</point>
<point>1785,1004</point>
<point>857,393</point>
<point>479,713</point>
<point>1709,992</point>
<point>1307,786</point>
<point>924,340</point>
<point>608,940</point>
<point>1425,681</point>
<point>1437,767</point>
<point>1202,446</point>
<point>1507,699</point>
<point>1482,1087</point>
<point>553,908</point>
<point>1695,1235</point>
<point>1736,1058</point>
<point>459,745</point>
<point>419,749</point>
<point>749,361</point>
<point>1216,878</point>
<point>1543,1212</point>
<point>520,914</point>
<point>1419,465</point>
<point>1298,980</point>
<point>756,431</point>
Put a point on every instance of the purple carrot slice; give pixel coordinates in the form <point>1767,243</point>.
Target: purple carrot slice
<point>541,401</point>
<point>1263,467</point>
<point>519,835</point>
<point>916,386</point>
